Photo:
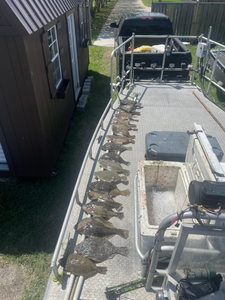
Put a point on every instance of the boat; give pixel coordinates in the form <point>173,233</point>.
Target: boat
<point>166,106</point>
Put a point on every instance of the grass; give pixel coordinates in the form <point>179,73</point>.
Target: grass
<point>214,93</point>
<point>32,209</point>
<point>100,19</point>
<point>149,2</point>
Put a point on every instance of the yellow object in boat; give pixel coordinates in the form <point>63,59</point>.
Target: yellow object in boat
<point>142,49</point>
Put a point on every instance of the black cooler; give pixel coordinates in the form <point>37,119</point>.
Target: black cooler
<point>172,146</point>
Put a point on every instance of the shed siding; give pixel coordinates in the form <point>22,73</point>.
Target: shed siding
<point>17,116</point>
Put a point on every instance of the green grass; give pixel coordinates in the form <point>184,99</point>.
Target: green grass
<point>149,2</point>
<point>32,209</point>
<point>100,19</point>
<point>214,93</point>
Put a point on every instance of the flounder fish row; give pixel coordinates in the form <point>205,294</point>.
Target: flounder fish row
<point>96,248</point>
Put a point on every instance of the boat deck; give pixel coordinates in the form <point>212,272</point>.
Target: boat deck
<point>166,107</point>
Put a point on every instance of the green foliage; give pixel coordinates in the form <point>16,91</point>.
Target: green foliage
<point>149,2</point>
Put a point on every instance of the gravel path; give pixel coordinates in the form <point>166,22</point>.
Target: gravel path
<point>106,36</point>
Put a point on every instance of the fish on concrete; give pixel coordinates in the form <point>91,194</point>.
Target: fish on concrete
<point>114,157</point>
<point>114,147</point>
<point>81,266</point>
<point>99,249</point>
<point>123,116</point>
<point>110,176</point>
<point>101,209</point>
<point>124,123</point>
<point>97,226</point>
<point>120,139</point>
<point>107,187</point>
<point>113,166</point>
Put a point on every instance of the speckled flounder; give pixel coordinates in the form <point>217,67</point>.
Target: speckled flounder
<point>120,139</point>
<point>133,113</point>
<point>107,187</point>
<point>113,166</point>
<point>103,197</point>
<point>110,176</point>
<point>99,249</point>
<point>122,132</point>
<point>114,157</point>
<point>124,123</point>
<point>97,226</point>
<point>101,209</point>
<point>118,126</point>
<point>81,266</point>
<point>113,147</point>
<point>130,102</point>
<point>123,116</point>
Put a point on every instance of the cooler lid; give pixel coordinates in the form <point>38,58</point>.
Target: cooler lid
<point>201,162</point>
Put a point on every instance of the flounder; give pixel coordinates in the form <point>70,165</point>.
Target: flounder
<point>113,147</point>
<point>130,102</point>
<point>81,266</point>
<point>133,113</point>
<point>120,139</point>
<point>114,157</point>
<point>110,176</point>
<point>101,209</point>
<point>122,132</point>
<point>113,166</point>
<point>107,187</point>
<point>97,226</point>
<point>99,249</point>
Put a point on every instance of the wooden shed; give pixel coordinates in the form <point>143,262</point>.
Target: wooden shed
<point>43,63</point>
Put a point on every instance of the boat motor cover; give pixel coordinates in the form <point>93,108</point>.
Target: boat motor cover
<point>172,146</point>
<point>207,193</point>
<point>188,291</point>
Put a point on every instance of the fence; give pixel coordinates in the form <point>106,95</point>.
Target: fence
<point>195,18</point>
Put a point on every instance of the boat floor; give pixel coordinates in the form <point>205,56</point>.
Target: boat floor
<point>166,107</point>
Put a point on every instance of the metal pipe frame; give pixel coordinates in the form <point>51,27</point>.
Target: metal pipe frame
<point>214,83</point>
<point>75,195</point>
<point>160,236</point>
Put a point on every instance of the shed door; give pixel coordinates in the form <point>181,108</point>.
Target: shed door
<point>73,54</point>
<point>3,161</point>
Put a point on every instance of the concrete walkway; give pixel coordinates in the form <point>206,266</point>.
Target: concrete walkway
<point>106,36</point>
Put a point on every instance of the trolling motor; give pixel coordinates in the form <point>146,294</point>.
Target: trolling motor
<point>207,193</point>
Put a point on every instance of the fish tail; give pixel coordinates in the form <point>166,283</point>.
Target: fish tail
<point>136,113</point>
<point>123,233</point>
<point>132,136</point>
<point>132,141</point>
<point>123,178</point>
<point>127,163</point>
<point>120,215</point>
<point>102,270</point>
<point>128,148</point>
<point>125,193</point>
<point>122,251</point>
<point>126,172</point>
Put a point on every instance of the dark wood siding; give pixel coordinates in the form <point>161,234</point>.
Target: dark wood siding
<point>5,27</point>
<point>18,113</point>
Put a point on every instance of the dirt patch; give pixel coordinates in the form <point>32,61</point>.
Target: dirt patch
<point>13,280</point>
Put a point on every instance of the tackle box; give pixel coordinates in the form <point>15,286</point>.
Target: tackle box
<point>172,146</point>
<point>163,188</point>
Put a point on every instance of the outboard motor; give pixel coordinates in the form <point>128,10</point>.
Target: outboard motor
<point>207,193</point>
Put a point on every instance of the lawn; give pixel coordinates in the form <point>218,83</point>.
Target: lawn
<point>32,209</point>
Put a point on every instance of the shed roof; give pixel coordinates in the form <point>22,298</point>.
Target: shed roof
<point>34,14</point>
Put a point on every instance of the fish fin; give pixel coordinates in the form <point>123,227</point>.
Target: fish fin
<point>132,136</point>
<point>128,148</point>
<point>120,215</point>
<point>132,141</point>
<point>127,163</point>
<point>126,172</point>
<point>125,193</point>
<point>123,178</point>
<point>123,233</point>
<point>112,256</point>
<point>102,270</point>
<point>122,251</point>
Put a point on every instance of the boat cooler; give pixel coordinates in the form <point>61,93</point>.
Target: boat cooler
<point>163,187</point>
